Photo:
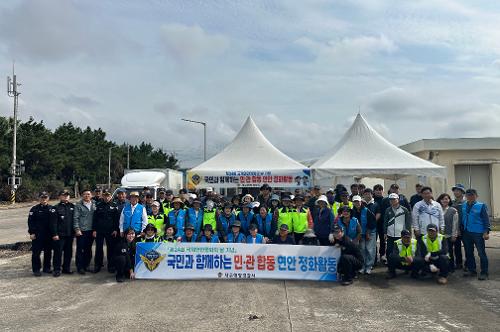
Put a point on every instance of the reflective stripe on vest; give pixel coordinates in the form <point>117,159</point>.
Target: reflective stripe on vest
<point>299,221</point>
<point>337,205</point>
<point>285,218</point>
<point>155,239</point>
<point>158,221</point>
<point>433,246</point>
<point>406,251</point>
<point>209,219</point>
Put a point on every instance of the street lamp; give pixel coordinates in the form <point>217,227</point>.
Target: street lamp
<point>204,136</point>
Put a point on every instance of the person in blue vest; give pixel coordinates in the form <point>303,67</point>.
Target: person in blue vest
<point>322,220</point>
<point>195,215</point>
<point>189,234</point>
<point>236,236</point>
<point>476,230</point>
<point>133,215</point>
<point>349,224</point>
<point>368,239</point>
<point>245,216</point>
<point>226,219</point>
<point>266,223</point>
<point>208,235</point>
<point>254,237</point>
<point>177,216</point>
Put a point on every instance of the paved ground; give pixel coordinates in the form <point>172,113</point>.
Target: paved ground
<point>96,302</point>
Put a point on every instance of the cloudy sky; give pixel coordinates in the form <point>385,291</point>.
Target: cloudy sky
<point>302,69</point>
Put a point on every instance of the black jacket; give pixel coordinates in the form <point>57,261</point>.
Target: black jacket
<point>39,220</point>
<point>347,247</point>
<point>423,248</point>
<point>61,219</point>
<point>127,250</point>
<point>106,218</point>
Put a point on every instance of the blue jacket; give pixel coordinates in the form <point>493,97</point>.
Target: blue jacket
<point>351,229</point>
<point>178,219</point>
<point>132,220</point>
<point>195,221</point>
<point>184,238</point>
<point>226,222</point>
<point>265,226</point>
<point>213,239</point>
<point>259,239</point>
<point>239,239</point>
<point>475,218</point>
<point>245,221</point>
<point>323,221</point>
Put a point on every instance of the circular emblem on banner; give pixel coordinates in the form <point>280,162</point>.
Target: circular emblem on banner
<point>196,179</point>
<point>152,259</point>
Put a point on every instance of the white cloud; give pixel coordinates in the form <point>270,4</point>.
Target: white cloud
<point>191,43</point>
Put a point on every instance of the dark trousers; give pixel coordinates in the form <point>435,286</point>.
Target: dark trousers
<point>298,237</point>
<point>122,265</point>
<point>390,245</point>
<point>380,234</point>
<point>457,252</point>
<point>41,243</point>
<point>84,250</point>
<point>442,263</point>
<point>323,241</point>
<point>63,246</point>
<point>348,265</point>
<point>477,240</point>
<point>394,262</point>
<point>99,252</point>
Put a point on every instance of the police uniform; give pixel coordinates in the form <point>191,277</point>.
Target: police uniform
<point>61,224</point>
<point>105,222</point>
<point>124,258</point>
<point>38,225</point>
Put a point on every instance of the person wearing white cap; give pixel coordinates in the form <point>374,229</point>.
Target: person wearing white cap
<point>396,218</point>
<point>426,212</point>
<point>367,242</point>
<point>322,220</point>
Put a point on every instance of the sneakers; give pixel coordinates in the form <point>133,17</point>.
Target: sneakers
<point>442,281</point>
<point>369,271</point>
<point>483,276</point>
<point>383,259</point>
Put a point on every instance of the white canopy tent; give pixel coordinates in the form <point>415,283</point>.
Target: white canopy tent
<point>363,152</point>
<point>250,160</point>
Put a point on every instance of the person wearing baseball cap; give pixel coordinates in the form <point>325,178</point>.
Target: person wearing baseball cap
<point>301,218</point>
<point>434,250</point>
<point>368,239</point>
<point>133,215</point>
<point>189,234</point>
<point>285,213</point>
<point>61,228</point>
<point>254,237</point>
<point>396,218</point>
<point>476,230</point>
<point>208,235</point>
<point>350,260</point>
<point>235,236</point>
<point>283,236</point>
<point>39,230</point>
<point>405,256</point>
<point>344,201</point>
<point>97,197</point>
<point>157,218</point>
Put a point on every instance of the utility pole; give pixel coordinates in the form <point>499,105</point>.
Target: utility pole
<point>128,156</point>
<point>12,92</point>
<point>109,169</point>
<point>204,136</point>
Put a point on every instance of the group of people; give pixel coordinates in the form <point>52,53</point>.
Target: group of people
<point>421,236</point>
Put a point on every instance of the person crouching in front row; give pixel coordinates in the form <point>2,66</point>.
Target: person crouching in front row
<point>150,234</point>
<point>405,256</point>
<point>255,237</point>
<point>124,258</point>
<point>189,234</point>
<point>208,235</point>
<point>351,259</point>
<point>236,236</point>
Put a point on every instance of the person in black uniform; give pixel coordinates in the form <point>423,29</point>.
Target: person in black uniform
<point>105,227</point>
<point>124,258</point>
<point>38,228</point>
<point>97,197</point>
<point>61,228</point>
<point>351,259</point>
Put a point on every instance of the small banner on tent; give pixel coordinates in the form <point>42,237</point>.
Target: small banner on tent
<point>235,261</point>
<point>239,179</point>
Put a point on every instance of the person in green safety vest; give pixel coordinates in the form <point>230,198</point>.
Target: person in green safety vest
<point>150,234</point>
<point>301,218</point>
<point>405,256</point>
<point>211,216</point>
<point>169,235</point>
<point>285,214</point>
<point>156,218</point>
<point>344,201</point>
<point>434,250</point>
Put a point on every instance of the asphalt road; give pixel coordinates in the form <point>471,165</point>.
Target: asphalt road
<point>97,302</point>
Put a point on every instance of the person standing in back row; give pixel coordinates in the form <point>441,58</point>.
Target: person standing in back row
<point>82,224</point>
<point>61,229</point>
<point>396,219</point>
<point>39,230</point>
<point>426,212</point>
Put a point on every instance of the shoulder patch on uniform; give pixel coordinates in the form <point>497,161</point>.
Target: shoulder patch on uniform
<point>71,209</point>
<point>31,213</point>
<point>52,210</point>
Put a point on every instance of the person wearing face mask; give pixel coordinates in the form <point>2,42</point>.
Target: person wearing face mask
<point>39,230</point>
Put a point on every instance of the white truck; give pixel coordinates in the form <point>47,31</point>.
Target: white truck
<point>154,178</point>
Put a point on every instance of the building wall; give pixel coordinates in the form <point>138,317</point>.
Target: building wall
<point>450,158</point>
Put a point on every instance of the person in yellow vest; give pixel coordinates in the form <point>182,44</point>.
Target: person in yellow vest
<point>301,218</point>
<point>405,256</point>
<point>169,235</point>
<point>167,205</point>
<point>344,201</point>
<point>150,234</point>
<point>285,213</point>
<point>211,217</point>
<point>434,250</point>
<point>156,218</point>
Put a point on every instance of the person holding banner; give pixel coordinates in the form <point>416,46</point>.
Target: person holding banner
<point>283,237</point>
<point>189,234</point>
<point>177,216</point>
<point>265,223</point>
<point>350,260</point>
<point>124,258</point>
<point>301,218</point>
<point>236,236</point>
<point>255,237</point>
<point>245,216</point>
<point>208,235</point>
